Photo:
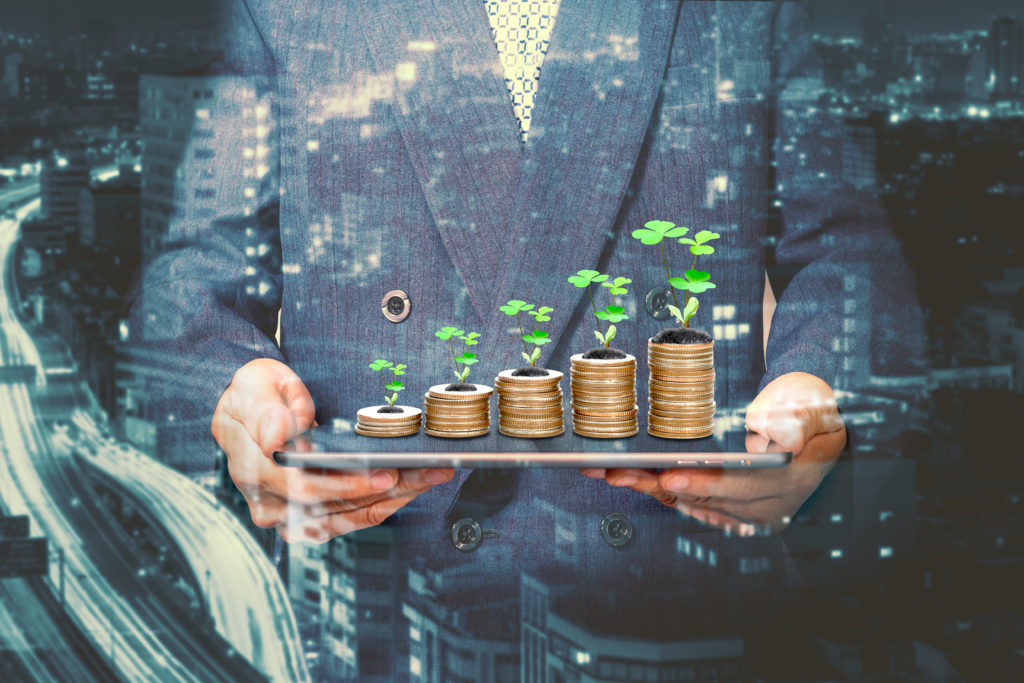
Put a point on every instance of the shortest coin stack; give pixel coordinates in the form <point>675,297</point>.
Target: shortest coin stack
<point>529,407</point>
<point>682,390</point>
<point>458,414</point>
<point>604,397</point>
<point>369,422</point>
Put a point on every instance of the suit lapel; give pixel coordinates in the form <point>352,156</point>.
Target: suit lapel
<point>598,85</point>
<point>457,123</point>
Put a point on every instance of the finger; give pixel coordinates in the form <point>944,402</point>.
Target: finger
<point>322,529</point>
<point>594,473</point>
<point>721,485</point>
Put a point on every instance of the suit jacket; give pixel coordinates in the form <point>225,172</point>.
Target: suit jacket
<point>359,147</point>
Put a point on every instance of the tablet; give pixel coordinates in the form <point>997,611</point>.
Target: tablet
<point>340,448</point>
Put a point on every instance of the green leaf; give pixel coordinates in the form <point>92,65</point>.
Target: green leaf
<point>394,386</point>
<point>600,337</point>
<point>677,232</point>
<point>647,236</point>
<point>399,372</point>
<point>698,287</point>
<point>706,236</point>
<point>534,356</point>
<point>697,275</point>
<point>538,337</point>
<point>541,314</point>
<point>458,375</point>
<point>686,240</point>
<point>676,313</point>
<point>464,375</point>
<point>400,367</point>
<point>691,308</point>
<point>612,314</point>
<point>610,334</point>
<point>447,333</point>
<point>616,286</point>
<point>679,283</point>
<point>582,278</point>
<point>467,359</point>
<point>512,307</point>
<point>526,357</point>
<point>470,339</point>
<point>378,365</point>
<point>701,250</point>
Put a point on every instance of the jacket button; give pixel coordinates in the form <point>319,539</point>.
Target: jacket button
<point>466,534</point>
<point>396,305</point>
<point>616,529</point>
<point>657,302</point>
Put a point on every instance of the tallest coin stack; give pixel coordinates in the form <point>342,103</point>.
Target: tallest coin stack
<point>682,390</point>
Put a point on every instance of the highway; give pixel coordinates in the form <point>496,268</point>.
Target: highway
<point>143,624</point>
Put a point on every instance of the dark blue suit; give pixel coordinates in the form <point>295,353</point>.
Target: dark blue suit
<point>389,158</point>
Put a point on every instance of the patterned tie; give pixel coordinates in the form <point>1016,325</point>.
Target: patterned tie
<point>522,30</point>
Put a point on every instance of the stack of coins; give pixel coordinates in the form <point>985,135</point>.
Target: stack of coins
<point>369,422</point>
<point>682,390</point>
<point>529,407</point>
<point>458,414</point>
<point>603,397</point>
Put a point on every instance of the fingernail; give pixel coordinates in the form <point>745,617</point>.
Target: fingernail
<point>680,483</point>
<point>626,480</point>
<point>594,474</point>
<point>382,480</point>
<point>435,476</point>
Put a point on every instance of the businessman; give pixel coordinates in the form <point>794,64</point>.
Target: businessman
<point>369,147</point>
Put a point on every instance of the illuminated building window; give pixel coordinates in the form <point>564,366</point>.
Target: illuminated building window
<point>884,515</point>
<point>836,517</point>
<point>415,667</point>
<point>885,551</point>
<point>836,553</point>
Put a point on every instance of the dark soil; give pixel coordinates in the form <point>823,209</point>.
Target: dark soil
<point>529,371</point>
<point>460,386</point>
<point>604,353</point>
<point>682,335</point>
<point>390,409</point>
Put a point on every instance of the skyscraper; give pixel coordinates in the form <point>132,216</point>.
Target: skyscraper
<point>1006,58</point>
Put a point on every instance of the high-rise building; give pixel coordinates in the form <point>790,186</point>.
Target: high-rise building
<point>182,133</point>
<point>61,183</point>
<point>110,216</point>
<point>1006,58</point>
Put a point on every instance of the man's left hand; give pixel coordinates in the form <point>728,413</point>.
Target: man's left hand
<point>795,412</point>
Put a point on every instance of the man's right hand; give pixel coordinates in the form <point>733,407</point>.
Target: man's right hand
<point>265,406</point>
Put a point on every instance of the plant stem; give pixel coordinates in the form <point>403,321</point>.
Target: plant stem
<point>667,275</point>
<point>599,328</point>
<point>521,335</point>
<point>452,347</point>
<point>693,266</point>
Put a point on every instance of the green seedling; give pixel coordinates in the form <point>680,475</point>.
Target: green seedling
<point>395,385</point>
<point>466,359</point>
<point>612,313</point>
<point>538,337</point>
<point>693,281</point>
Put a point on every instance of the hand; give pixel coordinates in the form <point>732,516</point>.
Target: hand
<point>795,412</point>
<point>265,406</point>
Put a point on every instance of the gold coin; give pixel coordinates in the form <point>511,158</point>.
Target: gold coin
<point>405,431</point>
<point>592,422</point>
<point>506,376</point>
<point>455,434</point>
<point>578,359</point>
<point>521,413</point>
<point>529,401</point>
<point>437,391</point>
<point>619,407</point>
<point>680,423</point>
<point>693,434</point>
<point>606,435</point>
<point>531,434</point>
<point>601,413</point>
<point>457,420</point>
<point>657,413</point>
<point>681,348</point>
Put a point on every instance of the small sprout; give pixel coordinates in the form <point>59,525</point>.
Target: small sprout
<point>693,281</point>
<point>612,313</point>
<point>684,316</point>
<point>395,385</point>
<point>537,337</point>
<point>466,359</point>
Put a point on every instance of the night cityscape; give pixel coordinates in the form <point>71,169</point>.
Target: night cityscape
<point>909,555</point>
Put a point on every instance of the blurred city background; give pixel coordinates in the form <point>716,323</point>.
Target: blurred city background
<point>119,558</point>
